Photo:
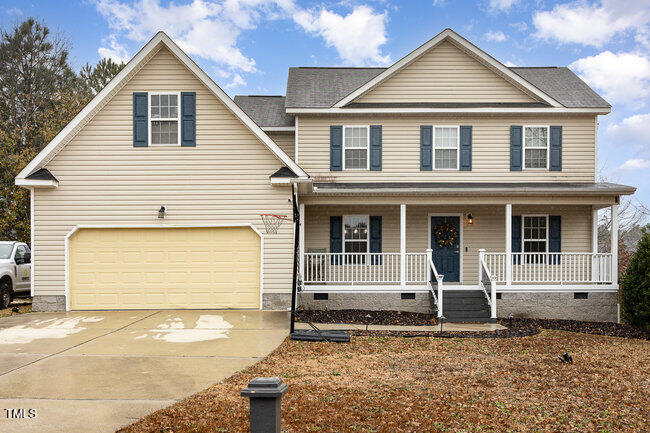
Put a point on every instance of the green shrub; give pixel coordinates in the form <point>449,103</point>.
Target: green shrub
<point>635,285</point>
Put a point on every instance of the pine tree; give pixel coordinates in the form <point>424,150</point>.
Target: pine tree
<point>95,78</point>
<point>635,285</point>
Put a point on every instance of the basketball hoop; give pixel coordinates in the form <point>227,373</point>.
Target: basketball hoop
<point>273,222</point>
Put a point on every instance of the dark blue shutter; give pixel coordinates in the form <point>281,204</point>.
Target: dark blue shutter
<point>140,119</point>
<point>375,147</point>
<point>465,148</point>
<point>336,237</point>
<point>426,147</point>
<point>516,145</point>
<point>336,148</point>
<point>188,119</point>
<point>375,239</point>
<point>555,237</point>
<point>516,237</point>
<point>556,148</point>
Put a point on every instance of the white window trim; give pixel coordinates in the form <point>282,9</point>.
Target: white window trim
<point>367,217</point>
<point>548,146</point>
<point>358,148</point>
<point>523,225</point>
<point>433,147</point>
<point>178,117</point>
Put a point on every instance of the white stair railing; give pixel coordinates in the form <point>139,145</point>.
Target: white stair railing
<point>485,277</point>
<point>437,297</point>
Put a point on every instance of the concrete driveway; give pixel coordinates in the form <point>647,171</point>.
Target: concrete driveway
<point>97,371</point>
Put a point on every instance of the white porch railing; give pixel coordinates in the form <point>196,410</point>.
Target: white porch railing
<point>436,293</point>
<point>552,268</point>
<point>487,281</point>
<point>363,268</point>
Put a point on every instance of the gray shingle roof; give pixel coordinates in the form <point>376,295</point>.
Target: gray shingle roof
<point>562,85</point>
<point>265,110</point>
<point>284,172</point>
<point>42,174</point>
<point>323,87</point>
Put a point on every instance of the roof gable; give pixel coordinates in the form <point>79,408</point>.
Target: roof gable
<point>470,49</point>
<point>444,73</point>
<point>159,41</point>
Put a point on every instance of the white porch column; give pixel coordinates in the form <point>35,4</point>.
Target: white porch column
<point>614,245</point>
<point>301,239</point>
<point>508,244</point>
<point>402,244</point>
<point>594,245</point>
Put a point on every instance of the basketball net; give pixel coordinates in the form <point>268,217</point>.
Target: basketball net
<point>273,222</point>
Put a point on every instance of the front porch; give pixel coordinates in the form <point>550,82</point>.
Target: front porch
<point>393,249</point>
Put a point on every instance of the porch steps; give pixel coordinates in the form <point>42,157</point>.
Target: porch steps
<point>465,306</point>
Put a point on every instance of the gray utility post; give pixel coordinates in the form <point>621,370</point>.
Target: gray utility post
<point>265,394</point>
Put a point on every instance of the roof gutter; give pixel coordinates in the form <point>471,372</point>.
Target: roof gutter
<point>458,191</point>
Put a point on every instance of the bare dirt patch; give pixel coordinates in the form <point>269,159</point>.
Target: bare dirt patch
<point>23,306</point>
<point>393,384</point>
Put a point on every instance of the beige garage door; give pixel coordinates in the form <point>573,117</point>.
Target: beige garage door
<point>140,268</point>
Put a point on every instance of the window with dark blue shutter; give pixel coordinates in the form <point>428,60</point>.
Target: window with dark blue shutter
<point>516,237</point>
<point>375,147</point>
<point>516,144</point>
<point>336,237</point>
<point>336,148</point>
<point>140,119</point>
<point>375,239</point>
<point>465,148</point>
<point>556,148</point>
<point>426,148</point>
<point>188,119</point>
<point>555,237</point>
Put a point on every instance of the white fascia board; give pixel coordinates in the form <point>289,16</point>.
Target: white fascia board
<point>30,183</point>
<point>477,52</point>
<point>160,37</point>
<point>289,180</point>
<point>478,110</point>
<point>278,128</point>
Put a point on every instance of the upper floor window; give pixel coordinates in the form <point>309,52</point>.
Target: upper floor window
<point>536,146</point>
<point>356,145</point>
<point>445,147</point>
<point>164,118</point>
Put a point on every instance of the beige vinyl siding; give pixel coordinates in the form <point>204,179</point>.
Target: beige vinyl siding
<point>286,141</point>
<point>445,74</point>
<point>488,230</point>
<point>104,180</point>
<point>490,148</point>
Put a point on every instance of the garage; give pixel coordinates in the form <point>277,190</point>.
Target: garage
<point>170,267</point>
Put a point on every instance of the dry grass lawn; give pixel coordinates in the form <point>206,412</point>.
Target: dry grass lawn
<point>382,384</point>
<point>24,306</point>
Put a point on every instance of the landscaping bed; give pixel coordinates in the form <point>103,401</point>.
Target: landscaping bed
<point>386,384</point>
<point>516,327</point>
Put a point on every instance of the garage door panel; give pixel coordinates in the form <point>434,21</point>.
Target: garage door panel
<point>125,268</point>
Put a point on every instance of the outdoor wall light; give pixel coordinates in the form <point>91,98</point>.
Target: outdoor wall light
<point>161,212</point>
<point>470,219</point>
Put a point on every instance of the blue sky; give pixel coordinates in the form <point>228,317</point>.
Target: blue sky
<point>247,45</point>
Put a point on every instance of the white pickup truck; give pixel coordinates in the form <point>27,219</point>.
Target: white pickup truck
<point>15,271</point>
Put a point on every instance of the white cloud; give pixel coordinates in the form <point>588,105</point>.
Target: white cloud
<point>509,64</point>
<point>14,11</point>
<point>520,26</point>
<point>594,23</point>
<point>438,2</point>
<point>115,51</point>
<point>501,5</point>
<point>622,77</point>
<point>497,36</point>
<point>632,131</point>
<point>203,28</point>
<point>634,164</point>
<point>237,81</point>
<point>357,37</point>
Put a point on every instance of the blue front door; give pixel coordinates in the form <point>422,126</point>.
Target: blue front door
<point>446,258</point>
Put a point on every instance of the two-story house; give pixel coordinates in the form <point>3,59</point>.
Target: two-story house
<point>447,182</point>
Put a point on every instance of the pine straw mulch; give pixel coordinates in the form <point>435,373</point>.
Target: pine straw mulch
<point>386,384</point>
